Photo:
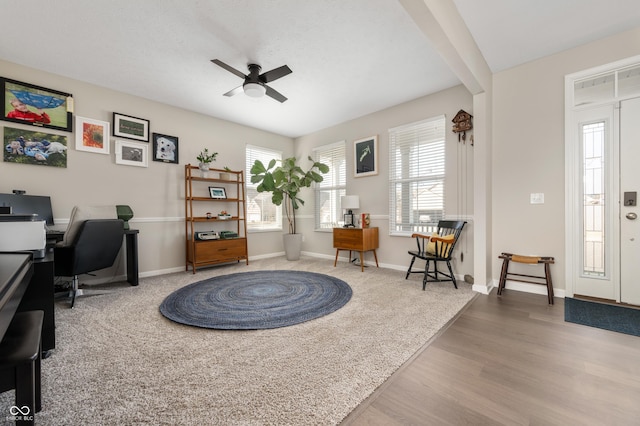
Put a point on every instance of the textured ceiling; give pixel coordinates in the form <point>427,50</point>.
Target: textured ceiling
<point>349,57</point>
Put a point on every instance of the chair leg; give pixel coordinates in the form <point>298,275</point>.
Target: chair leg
<point>74,290</point>
<point>426,275</point>
<point>413,259</point>
<point>547,276</point>
<point>503,276</point>
<point>453,277</point>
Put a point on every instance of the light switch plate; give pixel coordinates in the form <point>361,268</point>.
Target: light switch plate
<point>537,198</point>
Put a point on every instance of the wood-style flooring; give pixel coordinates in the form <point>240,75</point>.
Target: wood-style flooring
<point>512,360</point>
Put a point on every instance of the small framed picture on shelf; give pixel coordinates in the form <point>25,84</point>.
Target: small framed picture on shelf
<point>217,192</point>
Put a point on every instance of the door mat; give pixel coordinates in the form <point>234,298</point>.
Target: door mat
<point>601,315</point>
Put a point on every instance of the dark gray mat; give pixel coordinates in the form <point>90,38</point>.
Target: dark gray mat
<point>256,300</point>
<point>601,315</point>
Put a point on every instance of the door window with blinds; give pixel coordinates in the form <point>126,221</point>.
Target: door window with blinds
<point>262,214</point>
<point>328,213</point>
<point>416,176</point>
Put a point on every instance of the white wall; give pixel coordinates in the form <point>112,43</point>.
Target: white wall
<point>374,190</point>
<point>528,149</point>
<point>156,193</point>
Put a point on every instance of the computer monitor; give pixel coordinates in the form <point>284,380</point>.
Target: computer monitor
<point>29,204</point>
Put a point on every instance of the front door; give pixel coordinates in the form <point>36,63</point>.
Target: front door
<point>629,210</point>
<point>608,226</point>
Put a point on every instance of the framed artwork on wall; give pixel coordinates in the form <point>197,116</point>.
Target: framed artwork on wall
<point>34,147</point>
<point>132,153</point>
<point>92,135</point>
<point>165,148</point>
<point>130,127</point>
<point>365,157</point>
<point>29,104</point>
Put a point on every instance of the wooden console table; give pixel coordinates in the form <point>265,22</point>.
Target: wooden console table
<point>356,239</point>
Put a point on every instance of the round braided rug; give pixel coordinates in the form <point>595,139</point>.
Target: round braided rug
<point>256,300</point>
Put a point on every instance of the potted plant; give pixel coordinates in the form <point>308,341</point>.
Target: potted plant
<point>205,158</point>
<point>285,182</point>
<point>225,175</point>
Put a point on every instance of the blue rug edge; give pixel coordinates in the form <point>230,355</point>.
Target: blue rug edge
<point>620,319</point>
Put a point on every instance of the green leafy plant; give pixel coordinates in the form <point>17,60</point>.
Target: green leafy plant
<point>206,157</point>
<point>285,182</point>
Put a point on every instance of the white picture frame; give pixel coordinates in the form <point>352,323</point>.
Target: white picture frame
<point>92,135</point>
<point>132,153</point>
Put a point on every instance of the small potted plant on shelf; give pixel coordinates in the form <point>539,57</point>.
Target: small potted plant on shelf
<point>205,158</point>
<point>225,175</point>
<point>223,215</point>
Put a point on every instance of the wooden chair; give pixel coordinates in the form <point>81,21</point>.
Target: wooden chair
<point>435,248</point>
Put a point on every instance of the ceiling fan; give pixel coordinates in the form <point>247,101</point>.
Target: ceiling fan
<point>255,84</point>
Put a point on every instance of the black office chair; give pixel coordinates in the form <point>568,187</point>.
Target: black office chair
<point>95,246</point>
<point>435,248</point>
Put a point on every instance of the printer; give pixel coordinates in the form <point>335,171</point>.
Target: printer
<point>23,232</point>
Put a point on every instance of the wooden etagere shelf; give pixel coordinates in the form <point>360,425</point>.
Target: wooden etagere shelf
<point>201,209</point>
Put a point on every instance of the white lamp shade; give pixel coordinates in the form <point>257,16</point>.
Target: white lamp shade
<point>254,90</point>
<point>350,202</point>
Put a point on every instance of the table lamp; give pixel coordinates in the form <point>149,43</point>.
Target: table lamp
<point>349,202</point>
<point>125,213</point>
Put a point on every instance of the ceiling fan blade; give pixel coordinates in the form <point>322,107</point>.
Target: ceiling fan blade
<point>228,68</point>
<point>235,91</point>
<point>275,94</point>
<point>275,74</point>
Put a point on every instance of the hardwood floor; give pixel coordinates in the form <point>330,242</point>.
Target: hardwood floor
<point>512,360</point>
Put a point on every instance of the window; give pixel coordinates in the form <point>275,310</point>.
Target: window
<point>594,198</point>
<point>416,176</point>
<point>262,214</point>
<point>328,192</point>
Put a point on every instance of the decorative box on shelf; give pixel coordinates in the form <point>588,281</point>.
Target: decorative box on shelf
<point>224,216</point>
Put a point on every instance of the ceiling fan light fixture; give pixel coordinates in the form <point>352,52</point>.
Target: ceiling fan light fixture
<point>255,90</point>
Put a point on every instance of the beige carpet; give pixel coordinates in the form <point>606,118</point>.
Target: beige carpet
<point>119,361</point>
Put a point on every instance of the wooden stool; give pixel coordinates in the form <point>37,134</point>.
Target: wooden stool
<point>20,355</point>
<point>532,260</point>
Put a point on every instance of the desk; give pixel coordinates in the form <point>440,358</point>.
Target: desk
<point>131,243</point>
<point>356,239</point>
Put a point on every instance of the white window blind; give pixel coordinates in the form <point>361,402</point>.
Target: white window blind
<point>328,192</point>
<point>416,176</point>
<point>262,214</point>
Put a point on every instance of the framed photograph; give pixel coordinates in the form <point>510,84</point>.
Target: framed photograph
<point>365,157</point>
<point>132,153</point>
<point>165,148</point>
<point>29,104</point>
<point>217,192</point>
<point>130,127</point>
<point>92,135</point>
<point>34,147</point>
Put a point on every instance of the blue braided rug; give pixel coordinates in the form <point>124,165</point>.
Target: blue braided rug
<point>256,300</point>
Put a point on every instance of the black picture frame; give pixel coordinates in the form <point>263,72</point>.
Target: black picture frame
<point>165,148</point>
<point>217,192</point>
<point>365,157</point>
<point>127,126</point>
<point>56,106</point>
